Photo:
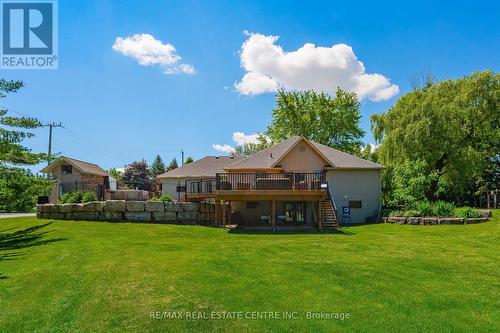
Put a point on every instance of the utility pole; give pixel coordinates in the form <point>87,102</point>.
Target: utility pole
<point>50,126</point>
<point>182,156</point>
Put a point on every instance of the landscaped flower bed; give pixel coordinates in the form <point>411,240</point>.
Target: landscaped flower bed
<point>440,212</point>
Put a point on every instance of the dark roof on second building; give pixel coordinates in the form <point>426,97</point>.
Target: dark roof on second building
<point>84,167</point>
<point>205,167</point>
<point>268,158</point>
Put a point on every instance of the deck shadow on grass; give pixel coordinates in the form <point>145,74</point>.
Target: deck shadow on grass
<point>12,241</point>
<point>289,231</point>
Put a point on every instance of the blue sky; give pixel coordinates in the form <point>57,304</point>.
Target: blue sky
<point>116,111</point>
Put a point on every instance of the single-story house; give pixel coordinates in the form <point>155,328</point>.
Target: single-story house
<point>174,181</point>
<point>70,175</point>
<point>295,182</point>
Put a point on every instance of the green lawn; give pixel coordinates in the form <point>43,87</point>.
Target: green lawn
<point>90,276</point>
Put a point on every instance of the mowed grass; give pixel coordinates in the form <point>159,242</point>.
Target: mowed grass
<point>109,277</point>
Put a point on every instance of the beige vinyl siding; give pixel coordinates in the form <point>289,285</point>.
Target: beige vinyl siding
<point>362,185</point>
<point>302,158</point>
<point>169,186</point>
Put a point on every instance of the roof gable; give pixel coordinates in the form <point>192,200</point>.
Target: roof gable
<point>83,167</point>
<point>267,158</point>
<point>271,157</point>
<point>292,149</point>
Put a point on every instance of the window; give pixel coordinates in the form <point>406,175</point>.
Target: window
<point>295,212</point>
<point>355,204</point>
<point>181,188</point>
<point>66,169</point>
<point>252,204</point>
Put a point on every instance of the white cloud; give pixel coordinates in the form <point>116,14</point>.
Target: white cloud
<point>268,67</point>
<point>241,138</point>
<point>149,51</point>
<point>223,148</point>
<point>185,68</point>
<point>254,83</point>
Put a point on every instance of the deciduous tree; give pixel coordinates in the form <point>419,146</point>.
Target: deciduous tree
<point>332,121</point>
<point>452,126</point>
<point>137,175</point>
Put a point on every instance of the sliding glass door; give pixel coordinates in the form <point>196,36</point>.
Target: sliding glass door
<point>295,212</point>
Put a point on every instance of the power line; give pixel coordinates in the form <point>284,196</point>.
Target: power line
<point>83,141</point>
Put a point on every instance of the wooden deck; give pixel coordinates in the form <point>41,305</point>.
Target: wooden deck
<point>199,196</point>
<point>256,195</point>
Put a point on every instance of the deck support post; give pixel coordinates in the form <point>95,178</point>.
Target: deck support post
<point>229,220</point>
<point>224,213</point>
<point>216,213</point>
<point>273,216</point>
<point>320,216</point>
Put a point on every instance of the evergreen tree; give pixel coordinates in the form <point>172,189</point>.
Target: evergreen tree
<point>173,165</point>
<point>19,188</point>
<point>158,167</point>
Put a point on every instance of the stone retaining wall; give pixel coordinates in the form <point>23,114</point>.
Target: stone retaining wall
<point>433,220</point>
<point>121,210</point>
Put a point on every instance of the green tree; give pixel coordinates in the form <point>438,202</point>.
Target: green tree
<point>409,184</point>
<point>158,167</point>
<point>173,164</point>
<point>317,116</point>
<point>118,175</point>
<point>137,175</point>
<point>369,152</point>
<point>452,126</point>
<point>19,188</point>
<point>188,160</point>
<point>13,132</point>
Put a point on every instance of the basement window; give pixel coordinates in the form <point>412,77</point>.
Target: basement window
<point>355,204</point>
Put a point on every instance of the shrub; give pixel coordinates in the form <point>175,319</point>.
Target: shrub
<point>77,197</point>
<point>163,197</point>
<point>70,197</point>
<point>424,208</point>
<point>466,212</point>
<point>396,213</point>
<point>443,208</point>
<point>88,196</point>
<point>412,213</point>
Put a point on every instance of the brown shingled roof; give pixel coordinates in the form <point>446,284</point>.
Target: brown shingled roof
<point>84,167</point>
<point>205,167</point>
<point>269,158</point>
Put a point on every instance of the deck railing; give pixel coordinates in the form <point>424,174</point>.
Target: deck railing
<point>262,181</point>
<point>200,186</point>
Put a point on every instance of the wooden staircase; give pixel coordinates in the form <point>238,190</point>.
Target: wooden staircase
<point>329,212</point>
